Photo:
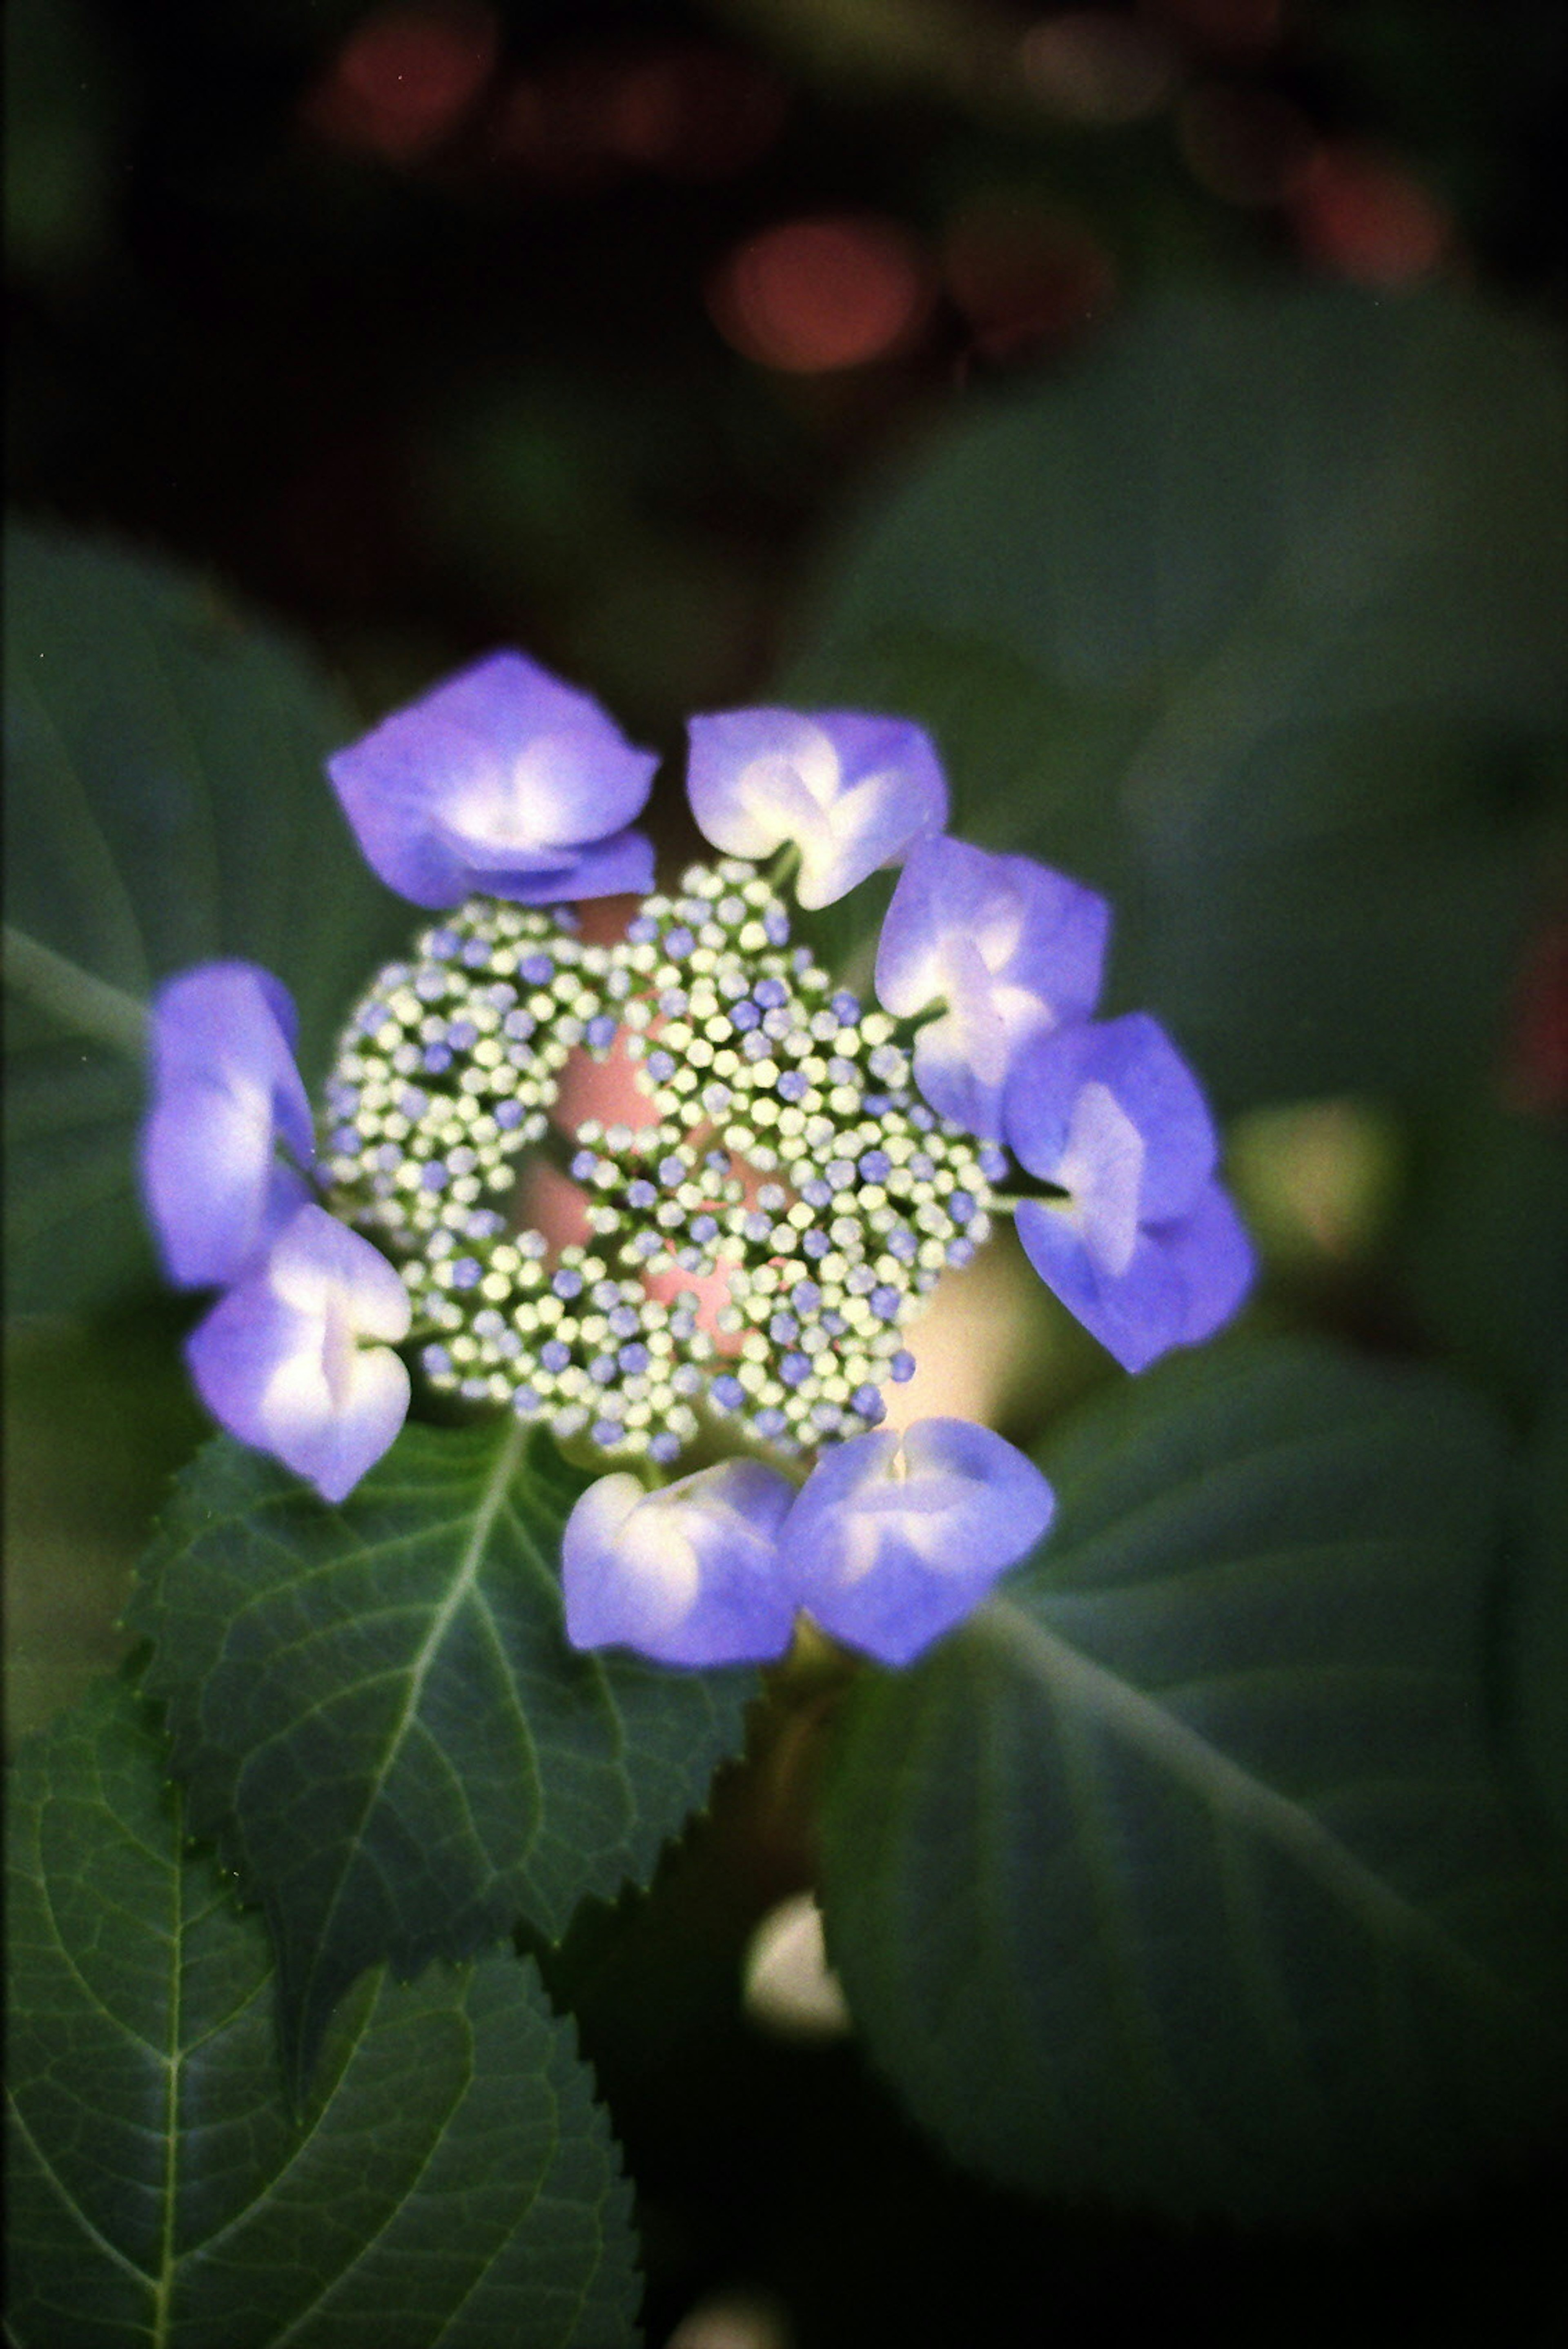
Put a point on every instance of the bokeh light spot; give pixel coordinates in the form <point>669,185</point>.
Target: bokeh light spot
<point>1316,1178</point>
<point>733,2321</point>
<point>811,296</point>
<point>405,77</point>
<point>790,1987</point>
<point>1369,220</point>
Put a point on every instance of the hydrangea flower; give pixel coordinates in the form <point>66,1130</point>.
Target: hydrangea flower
<point>687,1574</point>
<point>282,1363</point>
<point>502,780</point>
<point>1009,949</point>
<point>849,792</point>
<point>825,1160</point>
<point>1143,1245</point>
<point>890,1542</point>
<point>894,1540</point>
<point>225,1092</point>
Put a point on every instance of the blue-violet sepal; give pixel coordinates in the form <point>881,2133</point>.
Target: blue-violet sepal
<point>687,1575</point>
<point>1011,948</point>
<point>894,1540</point>
<point>225,1091</point>
<point>1144,1247</point>
<point>503,781</point>
<point>295,1360</point>
<point>849,791</point>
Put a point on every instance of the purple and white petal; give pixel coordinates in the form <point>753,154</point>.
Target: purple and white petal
<point>851,792</point>
<point>1211,1249</point>
<point>1144,1247</point>
<point>1184,1279</point>
<point>503,781</point>
<point>687,1575</point>
<point>282,1363</point>
<point>1008,947</point>
<point>894,1538</point>
<point>1096,1097</point>
<point>225,1088</point>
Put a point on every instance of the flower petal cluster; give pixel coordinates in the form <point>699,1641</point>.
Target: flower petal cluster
<point>504,780</point>
<point>823,1164</point>
<point>891,1541</point>
<point>849,792</point>
<point>1143,1245</point>
<point>277,1360</point>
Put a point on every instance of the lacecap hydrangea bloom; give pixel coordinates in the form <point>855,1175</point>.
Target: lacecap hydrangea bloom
<point>819,1161</point>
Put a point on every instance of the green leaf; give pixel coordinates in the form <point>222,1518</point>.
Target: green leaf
<point>1482,1246</point>
<point>377,1709</point>
<point>98,1418</point>
<point>1252,618</point>
<point>1180,1874</point>
<point>165,804</point>
<point>453,2180</point>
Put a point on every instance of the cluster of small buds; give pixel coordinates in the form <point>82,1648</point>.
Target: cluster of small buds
<point>450,1065</point>
<point>785,1155</point>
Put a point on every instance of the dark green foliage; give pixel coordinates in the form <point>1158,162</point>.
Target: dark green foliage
<point>376,1708</point>
<point>165,804</point>
<point>1253,618</point>
<point>451,2178</point>
<point>1182,1872</point>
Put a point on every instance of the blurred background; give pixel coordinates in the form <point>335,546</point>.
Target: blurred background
<point>436,325</point>
<point>443,323</point>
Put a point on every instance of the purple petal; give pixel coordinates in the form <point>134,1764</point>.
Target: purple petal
<point>279,1363</point>
<point>687,1575</point>
<point>1137,1313</point>
<point>1009,947</point>
<point>849,791</point>
<point>1215,1257</point>
<point>894,1539</point>
<point>621,865</point>
<point>1146,1249</point>
<point>504,780</point>
<point>1078,1094</point>
<point>1184,1278</point>
<point>224,1088</point>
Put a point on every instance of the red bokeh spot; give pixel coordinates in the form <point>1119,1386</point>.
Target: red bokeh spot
<point>816,294</point>
<point>1368,220</point>
<point>405,77</point>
